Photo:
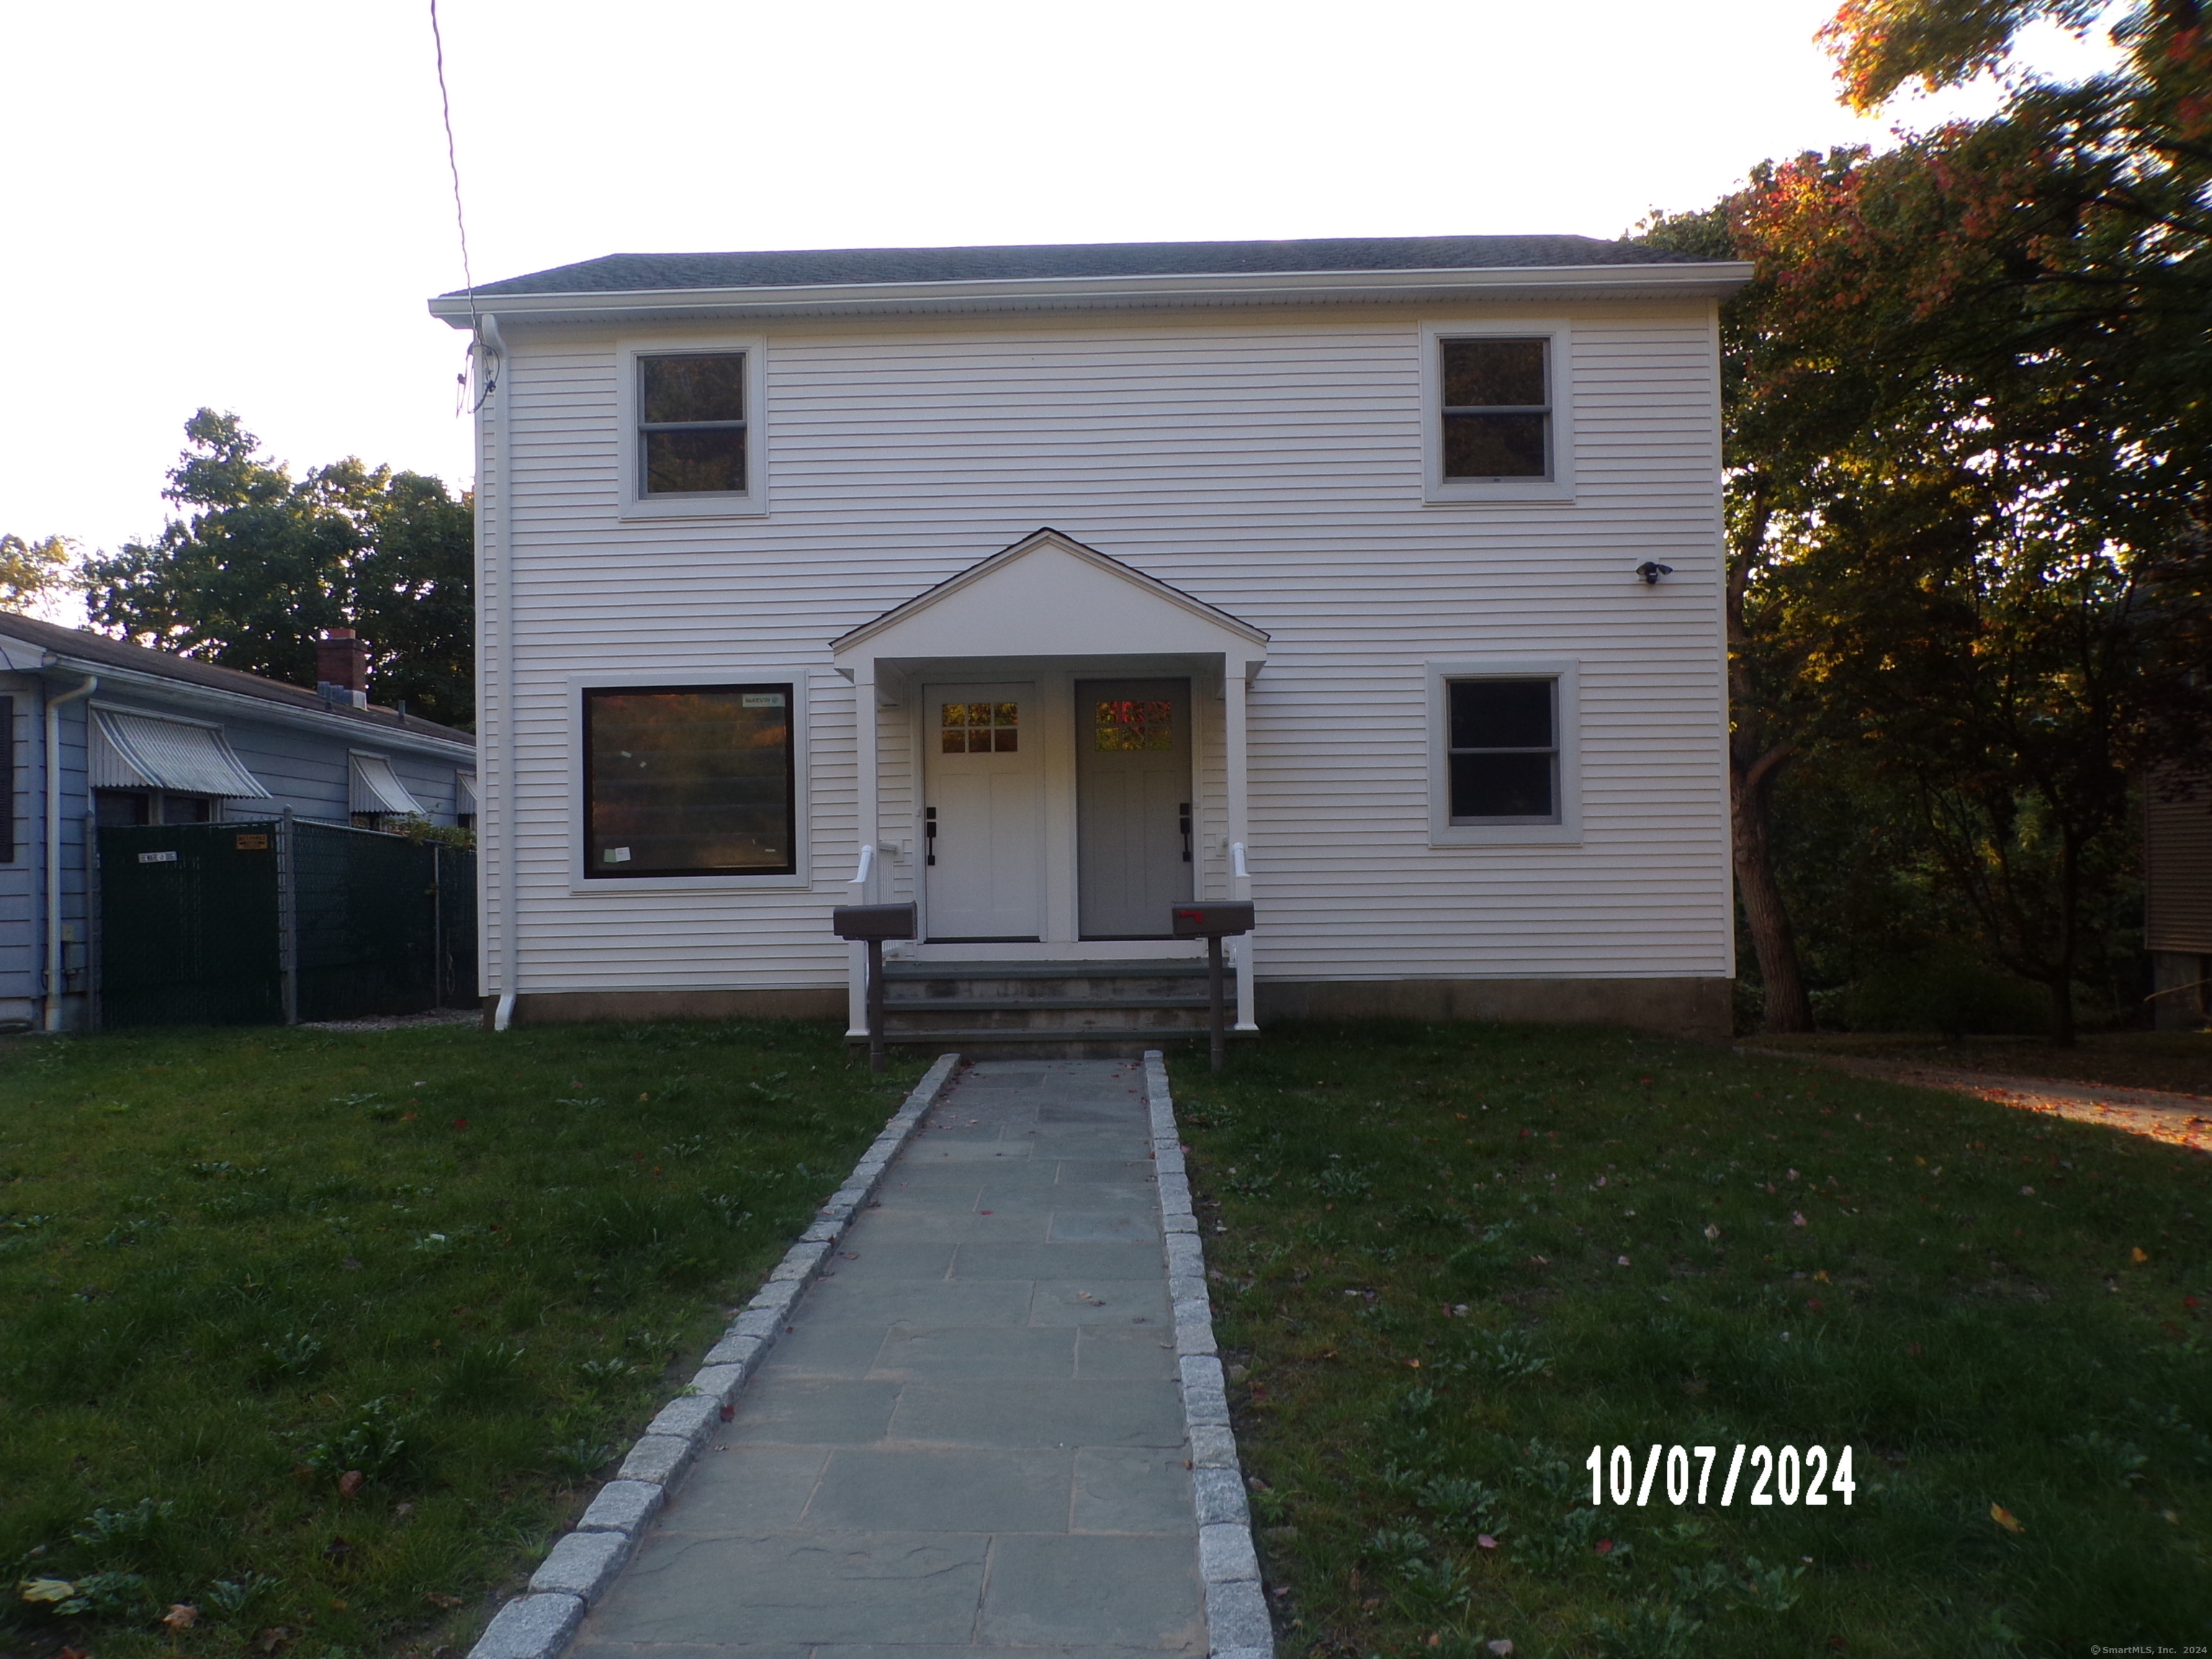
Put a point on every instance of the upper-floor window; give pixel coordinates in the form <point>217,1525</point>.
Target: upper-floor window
<point>691,435</point>
<point>1497,410</point>
<point>692,420</point>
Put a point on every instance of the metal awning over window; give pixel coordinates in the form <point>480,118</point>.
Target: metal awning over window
<point>465,793</point>
<point>144,751</point>
<point>376,788</point>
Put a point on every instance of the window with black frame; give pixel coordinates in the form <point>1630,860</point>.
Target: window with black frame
<point>1497,409</point>
<point>690,780</point>
<point>1504,750</point>
<point>691,424</point>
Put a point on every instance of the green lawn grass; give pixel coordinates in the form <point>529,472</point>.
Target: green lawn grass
<point>2177,1062</point>
<point>1450,1260</point>
<point>323,1335</point>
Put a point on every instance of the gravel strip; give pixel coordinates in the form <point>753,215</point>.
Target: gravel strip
<point>1237,1623</point>
<point>537,1624</point>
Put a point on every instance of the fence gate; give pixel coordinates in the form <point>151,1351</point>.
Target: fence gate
<point>188,919</point>
<point>272,921</point>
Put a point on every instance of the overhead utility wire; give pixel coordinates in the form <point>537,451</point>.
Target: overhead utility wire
<point>461,223</point>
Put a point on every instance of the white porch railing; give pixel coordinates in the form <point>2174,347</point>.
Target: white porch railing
<point>856,959</point>
<point>1240,887</point>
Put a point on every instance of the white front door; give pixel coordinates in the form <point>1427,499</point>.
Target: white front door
<point>983,813</point>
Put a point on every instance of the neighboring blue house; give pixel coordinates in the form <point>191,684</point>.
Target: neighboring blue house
<point>142,737</point>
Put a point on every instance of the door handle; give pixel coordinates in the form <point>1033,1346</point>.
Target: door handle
<point>929,833</point>
<point>1186,832</point>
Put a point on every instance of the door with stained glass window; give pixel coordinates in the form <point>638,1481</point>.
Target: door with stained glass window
<point>1134,848</point>
<point>983,807</point>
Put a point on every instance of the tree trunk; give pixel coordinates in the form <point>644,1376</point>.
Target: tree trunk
<point>1772,941</point>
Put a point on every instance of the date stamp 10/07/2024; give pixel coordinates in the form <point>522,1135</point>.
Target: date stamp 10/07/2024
<point>1787,1477</point>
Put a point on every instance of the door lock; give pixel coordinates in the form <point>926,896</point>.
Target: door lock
<point>1186,832</point>
<point>929,832</point>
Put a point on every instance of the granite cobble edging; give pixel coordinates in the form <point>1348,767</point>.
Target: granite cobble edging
<point>538,1623</point>
<point>1237,1622</point>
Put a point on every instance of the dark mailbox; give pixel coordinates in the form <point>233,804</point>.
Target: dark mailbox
<point>1211,920</point>
<point>865,921</point>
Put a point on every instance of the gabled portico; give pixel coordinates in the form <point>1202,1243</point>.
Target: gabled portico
<point>1059,754</point>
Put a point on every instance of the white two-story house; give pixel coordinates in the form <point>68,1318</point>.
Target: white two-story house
<point>1377,580</point>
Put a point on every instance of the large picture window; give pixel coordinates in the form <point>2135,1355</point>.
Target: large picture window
<point>690,780</point>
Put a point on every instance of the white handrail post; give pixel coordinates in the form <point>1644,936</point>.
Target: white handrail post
<point>856,954</point>
<point>1236,752</point>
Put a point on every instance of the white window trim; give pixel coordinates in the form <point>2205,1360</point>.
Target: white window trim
<point>740,674</point>
<point>1440,491</point>
<point>753,502</point>
<point>1567,712</point>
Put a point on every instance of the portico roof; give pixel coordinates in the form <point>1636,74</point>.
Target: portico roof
<point>1049,595</point>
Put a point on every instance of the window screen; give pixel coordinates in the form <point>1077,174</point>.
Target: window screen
<point>1497,409</point>
<point>688,781</point>
<point>691,428</point>
<point>1504,751</point>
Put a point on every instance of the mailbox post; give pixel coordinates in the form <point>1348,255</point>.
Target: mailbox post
<point>1212,923</point>
<point>874,923</point>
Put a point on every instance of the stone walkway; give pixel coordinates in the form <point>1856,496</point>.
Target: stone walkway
<point>970,1440</point>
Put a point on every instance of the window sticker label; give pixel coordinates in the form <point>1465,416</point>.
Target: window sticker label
<point>157,857</point>
<point>764,699</point>
<point>616,855</point>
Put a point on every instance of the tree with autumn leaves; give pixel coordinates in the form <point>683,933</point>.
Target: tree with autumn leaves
<point>1969,397</point>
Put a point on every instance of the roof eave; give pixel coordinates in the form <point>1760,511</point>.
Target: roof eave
<point>245,705</point>
<point>1716,280</point>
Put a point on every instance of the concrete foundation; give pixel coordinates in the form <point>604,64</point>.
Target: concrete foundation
<point>576,1007</point>
<point>1701,1009</point>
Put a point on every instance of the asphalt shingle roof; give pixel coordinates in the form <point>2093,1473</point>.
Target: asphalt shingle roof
<point>620,273</point>
<point>105,651</point>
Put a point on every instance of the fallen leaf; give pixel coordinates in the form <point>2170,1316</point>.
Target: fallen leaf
<point>1796,1218</point>
<point>273,1638</point>
<point>1813,1303</point>
<point>45,1589</point>
<point>460,1123</point>
<point>1622,1262</point>
<point>181,1615</point>
<point>2138,1255</point>
<point>349,1482</point>
<point>1712,1230</point>
<point>2028,1192</point>
<point>1371,1604</point>
<point>335,1551</point>
<point>437,1600</point>
<point>1484,1540</point>
<point>1501,1647</point>
<point>729,1414</point>
<point>2005,1518</point>
<point>1822,1276</point>
<point>1605,1546</point>
<point>1435,1639</point>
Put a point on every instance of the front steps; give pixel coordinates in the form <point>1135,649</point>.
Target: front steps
<point>1047,1010</point>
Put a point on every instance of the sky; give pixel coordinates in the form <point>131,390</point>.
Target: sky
<point>245,204</point>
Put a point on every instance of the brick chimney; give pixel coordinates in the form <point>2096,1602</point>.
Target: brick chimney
<point>342,667</point>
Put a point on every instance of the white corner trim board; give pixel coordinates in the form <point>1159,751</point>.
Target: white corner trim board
<point>537,1624</point>
<point>1237,1623</point>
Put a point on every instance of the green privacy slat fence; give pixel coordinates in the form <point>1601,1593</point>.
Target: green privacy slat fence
<point>259,922</point>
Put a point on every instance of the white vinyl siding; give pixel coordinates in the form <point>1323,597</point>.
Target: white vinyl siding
<point>1271,464</point>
